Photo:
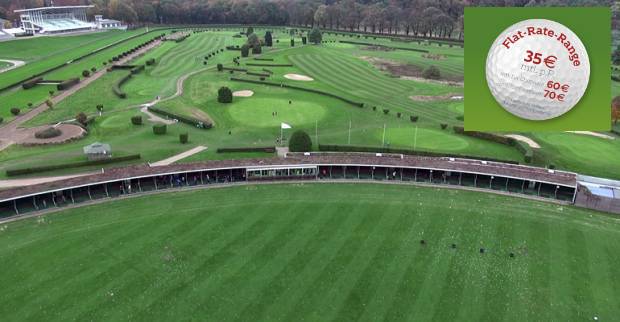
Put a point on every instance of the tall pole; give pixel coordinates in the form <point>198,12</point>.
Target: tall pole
<point>316,131</point>
<point>415,138</point>
<point>349,132</point>
<point>383,143</point>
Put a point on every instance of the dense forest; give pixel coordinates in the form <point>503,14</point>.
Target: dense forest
<point>428,18</point>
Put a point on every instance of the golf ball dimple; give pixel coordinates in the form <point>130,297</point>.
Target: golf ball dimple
<point>537,69</point>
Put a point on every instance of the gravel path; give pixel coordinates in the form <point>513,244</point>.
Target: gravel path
<point>179,156</point>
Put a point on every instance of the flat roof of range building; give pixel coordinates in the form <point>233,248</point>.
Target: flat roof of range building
<point>53,8</point>
<point>522,172</point>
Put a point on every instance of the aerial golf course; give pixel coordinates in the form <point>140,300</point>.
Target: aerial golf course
<point>278,252</point>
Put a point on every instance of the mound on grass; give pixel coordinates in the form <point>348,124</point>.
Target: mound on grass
<point>303,252</point>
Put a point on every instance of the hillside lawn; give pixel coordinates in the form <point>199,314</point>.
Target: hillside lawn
<point>274,253</point>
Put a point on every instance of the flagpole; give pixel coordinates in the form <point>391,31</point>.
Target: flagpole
<point>349,132</point>
<point>383,143</point>
<point>415,138</point>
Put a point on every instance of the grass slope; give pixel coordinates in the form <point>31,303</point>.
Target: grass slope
<point>272,253</point>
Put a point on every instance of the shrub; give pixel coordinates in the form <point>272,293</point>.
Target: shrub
<point>256,50</point>
<point>99,107</point>
<point>444,126</point>
<point>249,31</point>
<point>315,36</point>
<point>262,78</point>
<point>49,103</point>
<point>413,118</point>
<point>374,108</point>
<point>245,50</point>
<point>183,138</point>
<point>136,120</point>
<point>431,72</point>
<point>82,118</point>
<point>29,104</point>
<point>224,95</point>
<point>292,42</point>
<point>220,67</point>
<point>461,117</point>
<point>150,62</point>
<point>386,111</point>
<point>93,69</point>
<point>304,40</point>
<point>67,84</point>
<point>300,142</point>
<point>159,129</point>
<point>268,39</point>
<point>51,93</point>
<point>398,114</point>
<point>15,111</point>
<point>1,119</point>
<point>104,63</point>
<point>47,133</point>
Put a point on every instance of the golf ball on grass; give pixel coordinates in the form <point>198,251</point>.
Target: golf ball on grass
<point>537,69</point>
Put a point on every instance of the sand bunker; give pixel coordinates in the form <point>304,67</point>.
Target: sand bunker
<point>431,98</point>
<point>298,77</point>
<point>524,139</point>
<point>244,93</point>
<point>598,135</point>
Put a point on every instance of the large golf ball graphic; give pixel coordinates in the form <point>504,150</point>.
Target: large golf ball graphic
<point>537,69</point>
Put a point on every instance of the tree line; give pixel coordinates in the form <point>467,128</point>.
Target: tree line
<point>423,18</point>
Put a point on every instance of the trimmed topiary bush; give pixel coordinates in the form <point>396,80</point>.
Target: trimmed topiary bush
<point>398,114</point>
<point>1,119</point>
<point>245,50</point>
<point>268,39</point>
<point>444,126</point>
<point>47,133</point>
<point>15,110</point>
<point>300,142</point>
<point>93,69</point>
<point>413,118</point>
<point>315,36</point>
<point>82,118</point>
<point>183,138</point>
<point>136,120</point>
<point>431,72</point>
<point>256,50</point>
<point>224,95</point>
<point>220,67</point>
<point>292,42</point>
<point>386,111</point>
<point>159,129</point>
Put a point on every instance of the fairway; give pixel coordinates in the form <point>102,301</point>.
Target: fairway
<point>291,251</point>
<point>254,111</point>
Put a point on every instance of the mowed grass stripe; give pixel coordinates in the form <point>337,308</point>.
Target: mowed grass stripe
<point>294,259</point>
<point>129,288</point>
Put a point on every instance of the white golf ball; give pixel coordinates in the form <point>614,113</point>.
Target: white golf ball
<point>537,69</point>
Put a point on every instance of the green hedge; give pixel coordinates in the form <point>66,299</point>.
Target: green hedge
<point>263,59</point>
<point>358,104</point>
<point>258,74</point>
<point>378,149</point>
<point>160,129</point>
<point>31,82</point>
<point>266,149</point>
<point>67,84</point>
<point>137,69</point>
<point>117,86</point>
<point>63,166</point>
<point>181,118</point>
<point>235,69</point>
<point>269,65</point>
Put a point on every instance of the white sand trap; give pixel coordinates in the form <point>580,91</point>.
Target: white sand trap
<point>14,64</point>
<point>524,139</point>
<point>598,135</point>
<point>298,77</point>
<point>244,93</point>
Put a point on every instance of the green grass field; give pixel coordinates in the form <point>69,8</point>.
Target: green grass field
<point>273,253</point>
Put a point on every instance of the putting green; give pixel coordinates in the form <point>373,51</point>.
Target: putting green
<point>117,121</point>
<point>426,139</point>
<point>257,112</point>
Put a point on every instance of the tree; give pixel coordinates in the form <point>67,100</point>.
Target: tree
<point>224,95</point>
<point>82,118</point>
<point>183,138</point>
<point>320,15</point>
<point>220,67</point>
<point>615,109</point>
<point>245,50</point>
<point>616,56</point>
<point>250,31</point>
<point>15,110</point>
<point>253,40</point>
<point>256,50</point>
<point>300,142</point>
<point>431,72</point>
<point>268,39</point>
<point>315,36</point>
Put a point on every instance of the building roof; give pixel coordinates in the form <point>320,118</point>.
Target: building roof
<point>53,8</point>
<point>562,178</point>
<point>97,148</point>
